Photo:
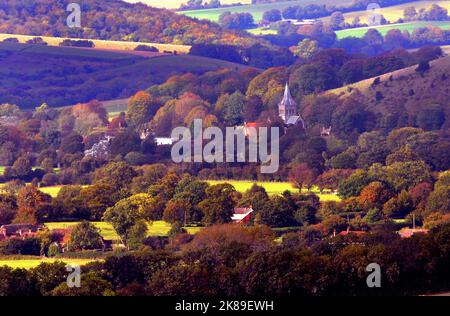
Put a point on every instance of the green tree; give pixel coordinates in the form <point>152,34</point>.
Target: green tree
<point>141,107</point>
<point>8,208</point>
<point>219,204</point>
<point>231,108</point>
<point>85,236</point>
<point>92,285</point>
<point>137,234</point>
<point>127,212</point>
<point>306,49</point>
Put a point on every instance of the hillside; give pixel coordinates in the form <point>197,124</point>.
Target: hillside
<point>257,10</point>
<point>393,13</point>
<point>103,44</point>
<point>404,91</point>
<point>383,29</point>
<point>175,4</point>
<point>33,74</point>
<point>112,20</point>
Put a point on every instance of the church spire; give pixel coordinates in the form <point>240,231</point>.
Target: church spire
<point>287,98</point>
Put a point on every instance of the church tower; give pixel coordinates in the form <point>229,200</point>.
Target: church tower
<point>287,109</point>
<point>287,106</point>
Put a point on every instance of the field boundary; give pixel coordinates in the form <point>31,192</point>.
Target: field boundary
<point>103,44</point>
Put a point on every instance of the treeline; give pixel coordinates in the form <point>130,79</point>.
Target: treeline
<point>235,261</point>
<point>115,20</point>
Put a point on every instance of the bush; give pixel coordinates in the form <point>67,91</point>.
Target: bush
<point>37,41</point>
<point>53,250</point>
<point>136,158</point>
<point>146,48</point>
<point>11,40</point>
<point>13,246</point>
<point>77,43</point>
<point>50,179</point>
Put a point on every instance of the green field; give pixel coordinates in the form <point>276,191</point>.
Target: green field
<point>273,188</point>
<point>257,10</point>
<point>32,263</point>
<point>106,229</point>
<point>262,31</point>
<point>162,228</point>
<point>52,191</point>
<point>393,13</point>
<point>383,29</point>
<point>175,4</point>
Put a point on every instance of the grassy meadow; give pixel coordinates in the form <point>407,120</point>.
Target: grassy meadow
<point>175,4</point>
<point>162,228</point>
<point>257,10</point>
<point>30,263</point>
<point>383,29</point>
<point>273,188</point>
<point>393,13</point>
<point>107,231</point>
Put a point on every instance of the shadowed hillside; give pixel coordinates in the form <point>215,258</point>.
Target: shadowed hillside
<point>33,74</point>
<point>405,91</point>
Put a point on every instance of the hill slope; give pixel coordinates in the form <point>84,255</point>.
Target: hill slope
<point>111,20</point>
<point>33,74</point>
<point>404,91</point>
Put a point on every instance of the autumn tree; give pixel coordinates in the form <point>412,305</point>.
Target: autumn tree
<point>141,107</point>
<point>374,195</point>
<point>30,201</point>
<point>301,175</point>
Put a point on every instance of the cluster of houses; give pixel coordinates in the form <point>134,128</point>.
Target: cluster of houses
<point>21,231</point>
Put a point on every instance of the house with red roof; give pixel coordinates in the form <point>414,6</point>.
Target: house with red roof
<point>242,215</point>
<point>409,232</point>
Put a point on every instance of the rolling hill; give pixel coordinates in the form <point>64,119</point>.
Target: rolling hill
<point>102,44</point>
<point>393,13</point>
<point>113,20</point>
<point>175,4</point>
<point>33,74</point>
<point>257,10</point>
<point>383,29</point>
<point>404,91</point>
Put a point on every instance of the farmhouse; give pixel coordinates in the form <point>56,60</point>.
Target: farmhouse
<point>347,232</point>
<point>409,232</point>
<point>18,231</point>
<point>242,215</point>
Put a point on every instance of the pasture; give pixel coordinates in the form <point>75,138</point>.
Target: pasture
<point>274,188</point>
<point>30,263</point>
<point>106,230</point>
<point>383,29</point>
<point>162,228</point>
<point>257,10</point>
<point>175,4</point>
<point>52,191</point>
<point>393,13</point>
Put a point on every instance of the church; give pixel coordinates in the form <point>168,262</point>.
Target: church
<point>288,110</point>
